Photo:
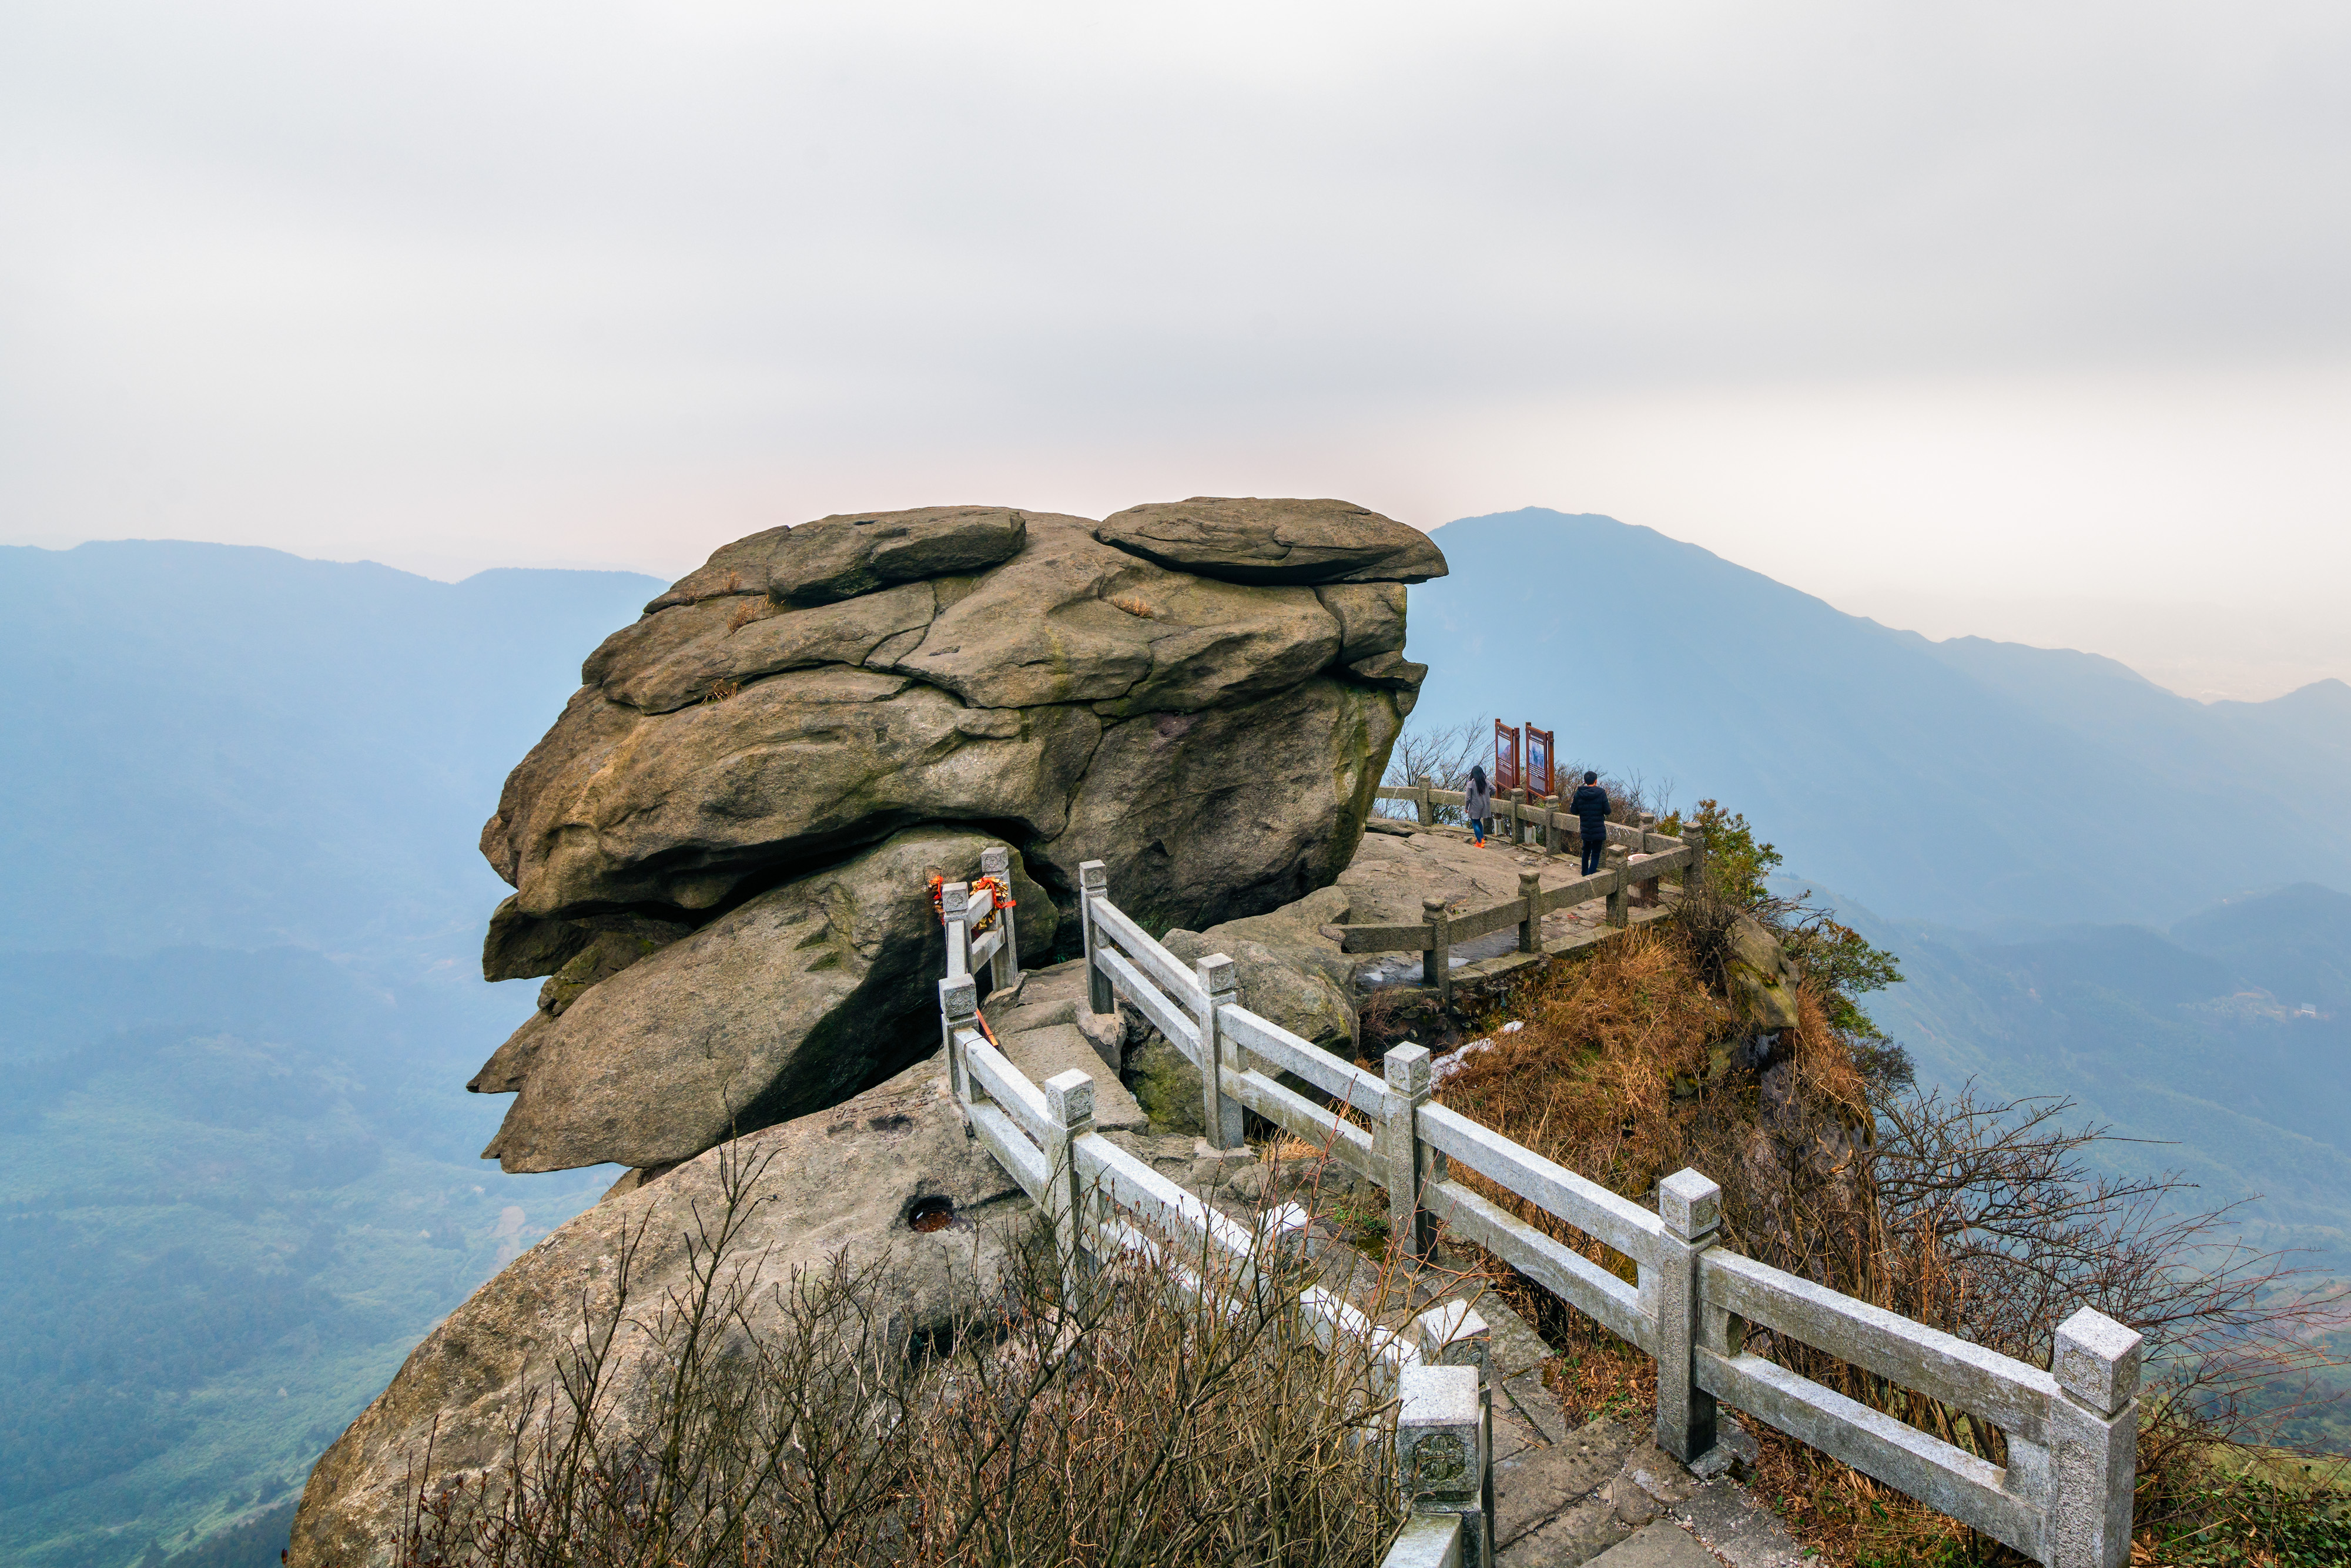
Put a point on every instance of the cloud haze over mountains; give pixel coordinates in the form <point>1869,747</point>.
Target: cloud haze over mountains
<point>2005,300</point>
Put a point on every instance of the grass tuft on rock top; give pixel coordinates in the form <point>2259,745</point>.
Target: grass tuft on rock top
<point>1988,1220</point>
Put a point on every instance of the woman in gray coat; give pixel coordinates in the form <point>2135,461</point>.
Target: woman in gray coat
<point>1478,805</point>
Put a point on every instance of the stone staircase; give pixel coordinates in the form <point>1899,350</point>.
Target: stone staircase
<point>1569,1489</point>
<point>1600,1490</point>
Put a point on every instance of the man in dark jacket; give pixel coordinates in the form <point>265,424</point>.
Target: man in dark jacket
<point>1591,806</point>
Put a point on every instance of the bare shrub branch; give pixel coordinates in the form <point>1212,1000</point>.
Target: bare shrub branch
<point>1176,1410</point>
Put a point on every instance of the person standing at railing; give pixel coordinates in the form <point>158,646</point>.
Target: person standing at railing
<point>1591,807</point>
<point>1478,804</point>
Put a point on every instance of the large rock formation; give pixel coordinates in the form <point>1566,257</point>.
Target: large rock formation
<point>845,1181</point>
<point>717,852</point>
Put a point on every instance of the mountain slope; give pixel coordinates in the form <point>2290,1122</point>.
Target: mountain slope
<point>1959,783</point>
<point>239,998</point>
<point>234,1190</point>
<point>2223,1043</point>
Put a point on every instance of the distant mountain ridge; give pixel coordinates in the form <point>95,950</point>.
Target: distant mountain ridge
<point>216,748</point>
<point>1963,781</point>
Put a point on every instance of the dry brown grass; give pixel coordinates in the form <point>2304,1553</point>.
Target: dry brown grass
<point>1134,606</point>
<point>750,609</point>
<point>1604,1078</point>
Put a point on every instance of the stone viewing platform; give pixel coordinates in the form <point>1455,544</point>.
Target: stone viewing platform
<point>1400,867</point>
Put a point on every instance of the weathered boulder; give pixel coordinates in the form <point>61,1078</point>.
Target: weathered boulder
<point>786,1003</point>
<point>691,653</point>
<point>1216,744</point>
<point>845,1180</point>
<point>693,844</point>
<point>1290,973</point>
<point>1370,617</point>
<point>616,809</point>
<point>1274,542</point>
<point>1208,816</point>
<point>522,946</point>
<point>848,554</point>
<point>1762,976</point>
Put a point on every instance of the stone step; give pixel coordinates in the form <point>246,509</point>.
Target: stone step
<point>1045,1027</point>
<point>1660,1545</point>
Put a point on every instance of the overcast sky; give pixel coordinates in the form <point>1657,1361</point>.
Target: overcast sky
<point>1979,300</point>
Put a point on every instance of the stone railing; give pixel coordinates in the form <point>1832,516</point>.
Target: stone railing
<point>2064,1498</point>
<point>1638,857</point>
<point>978,931</point>
<point>1435,1379</point>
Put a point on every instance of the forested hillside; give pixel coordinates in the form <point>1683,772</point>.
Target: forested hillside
<point>2222,1042</point>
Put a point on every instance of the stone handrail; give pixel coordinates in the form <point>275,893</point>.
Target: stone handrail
<point>2065,1498</point>
<point>1437,1376</point>
<point>964,912</point>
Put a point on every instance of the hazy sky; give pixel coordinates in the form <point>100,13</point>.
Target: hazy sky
<point>1981,301</point>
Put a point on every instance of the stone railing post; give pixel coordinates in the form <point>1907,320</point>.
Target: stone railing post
<point>1531,928</point>
<point>1094,882</point>
<point>997,861</point>
<point>1070,1102</point>
<point>1441,1454</point>
<point>1420,799</point>
<point>1519,816</point>
<point>1614,860</point>
<point>1552,842</point>
<point>959,1009</point>
<point>1691,1207</point>
<point>1454,1334</point>
<point>1409,1082</point>
<point>1220,979</point>
<point>1694,875</point>
<point>1436,963</point>
<point>2093,1442</point>
<point>954,915</point>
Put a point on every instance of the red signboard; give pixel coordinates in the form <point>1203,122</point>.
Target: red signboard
<point>1538,761</point>
<point>1506,759</point>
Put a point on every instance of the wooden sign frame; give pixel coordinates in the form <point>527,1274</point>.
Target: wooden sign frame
<point>1506,759</point>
